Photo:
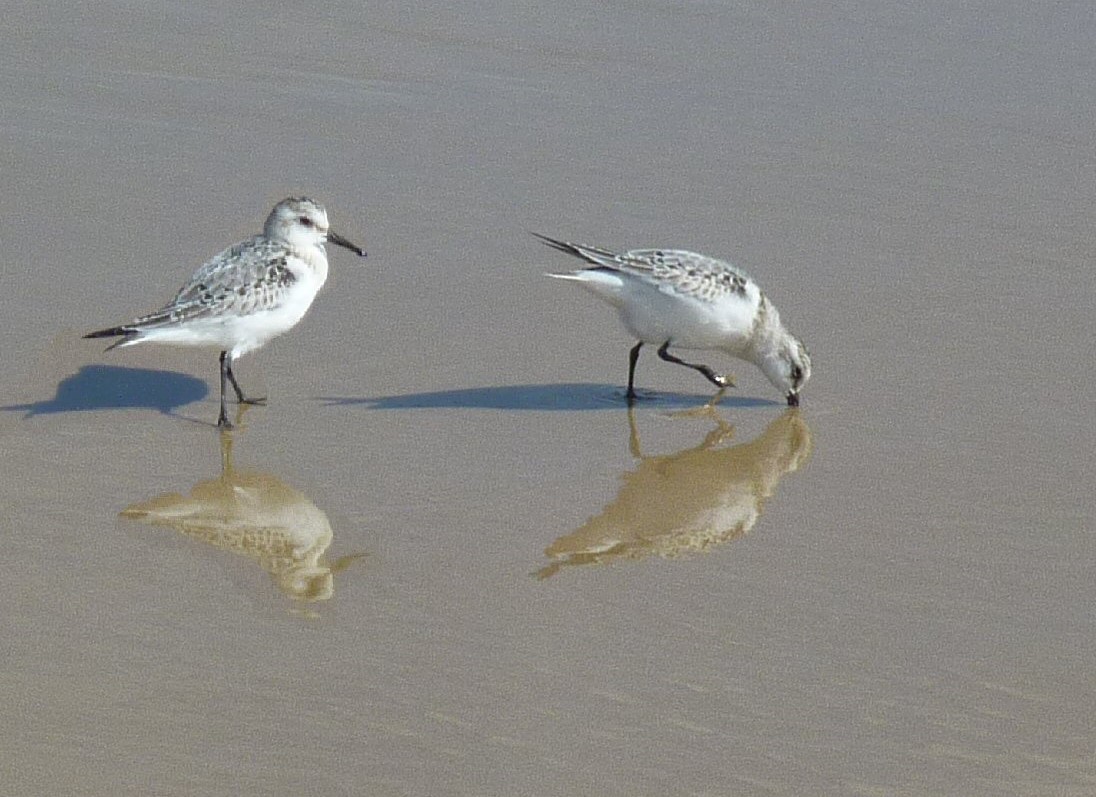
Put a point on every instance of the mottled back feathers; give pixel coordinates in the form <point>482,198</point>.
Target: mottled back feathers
<point>688,273</point>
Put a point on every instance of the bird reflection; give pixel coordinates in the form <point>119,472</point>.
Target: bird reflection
<point>690,501</point>
<point>257,515</point>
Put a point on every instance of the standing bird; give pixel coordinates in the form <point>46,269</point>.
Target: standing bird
<point>246,295</point>
<point>670,297</point>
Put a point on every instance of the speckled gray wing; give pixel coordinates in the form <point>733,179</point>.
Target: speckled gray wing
<point>687,272</point>
<point>247,278</point>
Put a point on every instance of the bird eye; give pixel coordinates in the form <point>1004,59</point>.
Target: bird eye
<point>305,221</point>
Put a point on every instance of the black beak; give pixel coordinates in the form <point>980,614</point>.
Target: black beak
<point>338,240</point>
<point>793,399</point>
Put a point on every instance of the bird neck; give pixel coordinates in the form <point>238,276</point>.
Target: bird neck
<point>769,334</point>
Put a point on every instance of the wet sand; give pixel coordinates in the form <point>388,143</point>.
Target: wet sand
<point>512,585</point>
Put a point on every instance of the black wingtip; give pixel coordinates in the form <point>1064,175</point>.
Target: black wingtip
<point>562,246</point>
<point>793,399</point>
<point>113,332</point>
<point>123,334</point>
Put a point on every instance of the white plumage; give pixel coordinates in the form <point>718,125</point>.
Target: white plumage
<point>247,294</point>
<point>673,297</point>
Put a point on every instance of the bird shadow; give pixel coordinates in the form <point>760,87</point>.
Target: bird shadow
<point>112,387</point>
<point>568,397</point>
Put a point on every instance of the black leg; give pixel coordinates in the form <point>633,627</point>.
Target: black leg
<point>712,376</point>
<point>240,397</point>
<point>633,356</point>
<point>222,420</point>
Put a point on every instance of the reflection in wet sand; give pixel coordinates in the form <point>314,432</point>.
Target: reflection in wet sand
<point>258,515</point>
<point>690,501</point>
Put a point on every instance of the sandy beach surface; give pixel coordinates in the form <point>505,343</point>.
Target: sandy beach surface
<point>446,559</point>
